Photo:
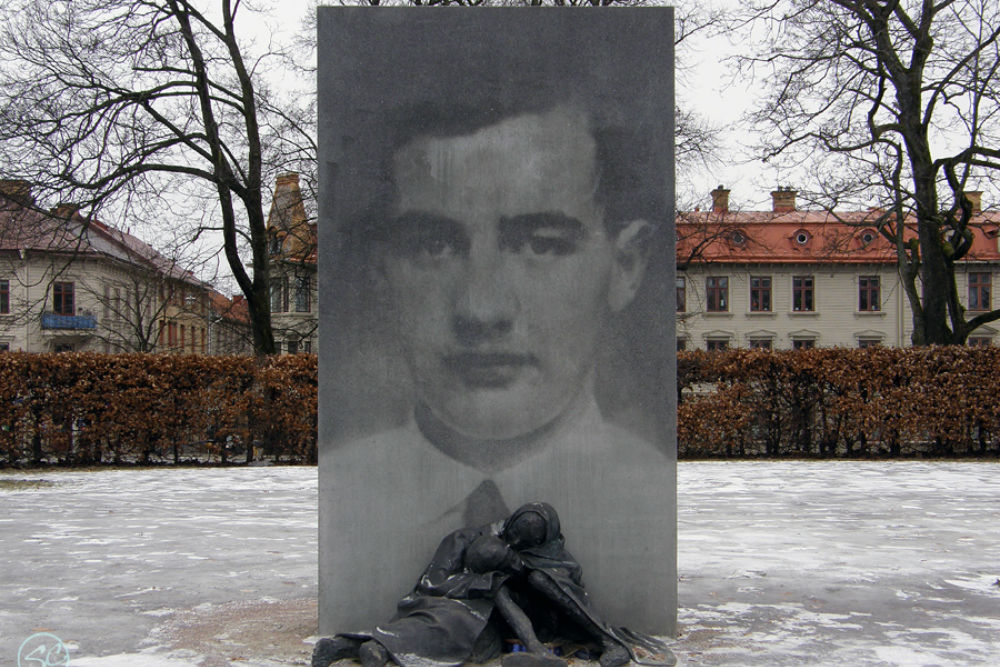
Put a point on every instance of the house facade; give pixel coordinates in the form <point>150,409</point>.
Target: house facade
<point>292,252</point>
<point>790,278</point>
<point>229,325</point>
<point>68,283</point>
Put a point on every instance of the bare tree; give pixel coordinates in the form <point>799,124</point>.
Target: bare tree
<point>152,105</point>
<point>894,101</point>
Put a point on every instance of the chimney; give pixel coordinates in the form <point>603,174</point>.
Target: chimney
<point>783,199</point>
<point>287,210</point>
<point>286,179</point>
<point>975,198</point>
<point>17,190</point>
<point>720,200</point>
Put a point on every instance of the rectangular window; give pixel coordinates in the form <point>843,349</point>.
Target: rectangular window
<point>308,347</point>
<point>182,338</point>
<point>4,347</point>
<point>681,344</point>
<point>979,341</point>
<point>760,295</point>
<point>681,294</point>
<point>106,306</point>
<point>293,347</point>
<point>865,343</point>
<point>802,294</point>
<point>172,334</point>
<point>979,291</point>
<point>803,344</point>
<point>869,298</point>
<point>760,344</point>
<point>116,305</point>
<point>62,299</point>
<point>279,295</point>
<point>302,296</point>
<point>203,340</point>
<point>717,344</point>
<point>717,294</point>
<point>4,297</point>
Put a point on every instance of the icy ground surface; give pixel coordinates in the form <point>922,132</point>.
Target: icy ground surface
<point>786,563</point>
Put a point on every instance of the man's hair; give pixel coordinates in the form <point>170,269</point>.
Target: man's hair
<point>630,179</point>
<point>392,76</point>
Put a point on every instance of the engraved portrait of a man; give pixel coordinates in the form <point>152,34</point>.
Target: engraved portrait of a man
<point>503,241</point>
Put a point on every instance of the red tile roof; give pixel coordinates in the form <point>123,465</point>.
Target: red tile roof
<point>805,237</point>
<point>234,309</point>
<point>64,230</point>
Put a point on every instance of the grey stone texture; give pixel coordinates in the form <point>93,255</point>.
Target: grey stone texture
<point>496,285</point>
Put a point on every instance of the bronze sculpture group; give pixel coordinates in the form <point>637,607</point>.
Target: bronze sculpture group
<point>508,583</point>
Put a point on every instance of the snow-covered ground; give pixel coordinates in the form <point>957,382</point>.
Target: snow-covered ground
<point>781,563</point>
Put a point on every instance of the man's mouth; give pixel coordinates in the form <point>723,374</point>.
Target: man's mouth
<point>488,370</point>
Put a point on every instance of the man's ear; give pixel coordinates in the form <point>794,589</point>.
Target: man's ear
<point>631,257</point>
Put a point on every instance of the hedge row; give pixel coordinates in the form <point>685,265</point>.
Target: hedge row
<point>87,408</point>
<point>936,401</point>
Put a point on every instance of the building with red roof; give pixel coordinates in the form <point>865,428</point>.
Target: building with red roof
<point>228,325</point>
<point>69,282</point>
<point>791,278</point>
<point>292,250</point>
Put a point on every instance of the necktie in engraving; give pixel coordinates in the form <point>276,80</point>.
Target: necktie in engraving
<point>484,505</point>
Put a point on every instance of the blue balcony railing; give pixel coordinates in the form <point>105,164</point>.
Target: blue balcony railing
<point>54,321</point>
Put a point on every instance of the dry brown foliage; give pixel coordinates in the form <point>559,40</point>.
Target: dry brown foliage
<point>87,408</point>
<point>929,401</point>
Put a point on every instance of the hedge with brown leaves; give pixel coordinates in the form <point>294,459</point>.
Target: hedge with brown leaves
<point>86,408</point>
<point>931,401</point>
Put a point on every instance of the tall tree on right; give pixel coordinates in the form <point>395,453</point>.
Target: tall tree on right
<point>896,101</point>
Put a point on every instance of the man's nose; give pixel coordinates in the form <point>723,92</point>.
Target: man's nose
<point>486,303</point>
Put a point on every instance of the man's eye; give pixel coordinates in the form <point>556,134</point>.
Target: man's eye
<point>550,245</point>
<point>541,243</point>
<point>541,234</point>
<point>435,247</point>
<point>433,244</point>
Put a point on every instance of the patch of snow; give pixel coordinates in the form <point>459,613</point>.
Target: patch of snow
<point>132,660</point>
<point>885,563</point>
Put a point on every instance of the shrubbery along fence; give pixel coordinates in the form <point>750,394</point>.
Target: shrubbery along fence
<point>84,408</point>
<point>929,401</point>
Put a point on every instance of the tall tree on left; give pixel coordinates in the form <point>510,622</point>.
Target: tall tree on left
<point>156,107</point>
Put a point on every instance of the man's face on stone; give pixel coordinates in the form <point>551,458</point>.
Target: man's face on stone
<point>501,271</point>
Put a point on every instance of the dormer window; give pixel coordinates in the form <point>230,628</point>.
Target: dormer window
<point>274,244</point>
